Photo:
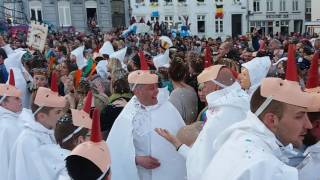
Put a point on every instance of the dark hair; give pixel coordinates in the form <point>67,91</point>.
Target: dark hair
<point>64,128</point>
<point>121,86</point>
<point>275,107</point>
<point>313,116</point>
<point>80,168</point>
<point>3,53</point>
<point>178,69</point>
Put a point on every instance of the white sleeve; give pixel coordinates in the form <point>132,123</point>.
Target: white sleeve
<point>184,150</point>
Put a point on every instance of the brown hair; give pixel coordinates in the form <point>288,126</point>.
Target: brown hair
<point>313,116</point>
<point>275,107</point>
<point>178,69</point>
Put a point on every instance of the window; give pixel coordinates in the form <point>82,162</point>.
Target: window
<point>35,11</point>
<point>202,1</point>
<point>201,22</point>
<point>64,13</point>
<point>181,1</point>
<point>139,1</point>
<point>308,7</point>
<point>219,0</point>
<point>169,20</point>
<point>295,5</point>
<point>269,5</point>
<point>282,5</point>
<point>256,5</point>
<point>153,1</point>
<point>154,19</point>
<point>219,25</point>
<point>168,1</point>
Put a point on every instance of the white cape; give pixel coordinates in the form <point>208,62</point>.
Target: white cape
<point>248,150</point>
<point>120,142</point>
<point>309,167</point>
<point>35,154</point>
<point>225,107</point>
<point>10,129</point>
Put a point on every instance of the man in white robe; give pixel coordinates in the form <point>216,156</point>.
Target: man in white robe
<point>10,126</point>
<point>137,152</point>
<point>256,147</point>
<point>35,155</point>
<point>227,104</point>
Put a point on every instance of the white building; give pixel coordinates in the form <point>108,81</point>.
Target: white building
<point>277,16</point>
<point>314,25</point>
<point>200,15</point>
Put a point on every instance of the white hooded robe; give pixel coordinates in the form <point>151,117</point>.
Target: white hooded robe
<point>133,135</point>
<point>35,154</point>
<point>10,128</point>
<point>248,150</point>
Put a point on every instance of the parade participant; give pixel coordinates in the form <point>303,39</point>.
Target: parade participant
<point>3,70</point>
<point>10,126</point>
<point>22,77</point>
<point>227,104</point>
<point>143,154</point>
<point>90,160</point>
<point>73,127</point>
<point>312,141</point>
<point>35,154</point>
<point>257,146</point>
<point>183,97</point>
<point>253,72</point>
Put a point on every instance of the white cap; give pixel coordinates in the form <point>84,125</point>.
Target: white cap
<point>107,48</point>
<point>120,54</point>
<point>162,60</point>
<point>80,60</point>
<point>101,69</point>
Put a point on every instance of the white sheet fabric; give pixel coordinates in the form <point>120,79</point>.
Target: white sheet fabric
<point>10,128</point>
<point>35,155</point>
<point>248,150</point>
<point>133,134</point>
<point>225,107</point>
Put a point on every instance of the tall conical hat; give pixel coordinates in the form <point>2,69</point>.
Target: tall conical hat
<point>143,62</point>
<point>291,72</point>
<point>208,57</point>
<point>81,118</point>
<point>313,74</point>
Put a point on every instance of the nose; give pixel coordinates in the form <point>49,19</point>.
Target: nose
<point>308,124</point>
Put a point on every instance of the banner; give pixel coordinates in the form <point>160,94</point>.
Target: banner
<point>37,36</point>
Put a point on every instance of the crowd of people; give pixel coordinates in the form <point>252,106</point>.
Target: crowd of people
<point>151,107</point>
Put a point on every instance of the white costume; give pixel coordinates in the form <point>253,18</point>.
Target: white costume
<point>309,168</point>
<point>248,150</point>
<point>225,107</point>
<point>35,154</point>
<point>10,128</point>
<point>14,62</point>
<point>133,135</point>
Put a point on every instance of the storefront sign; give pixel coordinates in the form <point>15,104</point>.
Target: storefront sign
<point>273,16</point>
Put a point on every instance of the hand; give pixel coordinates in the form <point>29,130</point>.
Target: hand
<point>147,162</point>
<point>169,137</point>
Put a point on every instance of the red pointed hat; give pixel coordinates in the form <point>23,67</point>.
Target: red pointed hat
<point>313,76</point>
<point>54,80</point>
<point>81,118</point>
<point>291,72</point>
<point>88,102</point>
<point>208,57</point>
<point>11,78</point>
<point>143,62</point>
<point>96,130</point>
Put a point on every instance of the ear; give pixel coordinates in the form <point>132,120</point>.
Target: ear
<point>271,121</point>
<point>80,139</point>
<point>41,116</point>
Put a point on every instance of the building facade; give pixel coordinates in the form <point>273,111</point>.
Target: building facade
<point>199,15</point>
<point>80,14</point>
<point>277,16</point>
<point>313,26</point>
